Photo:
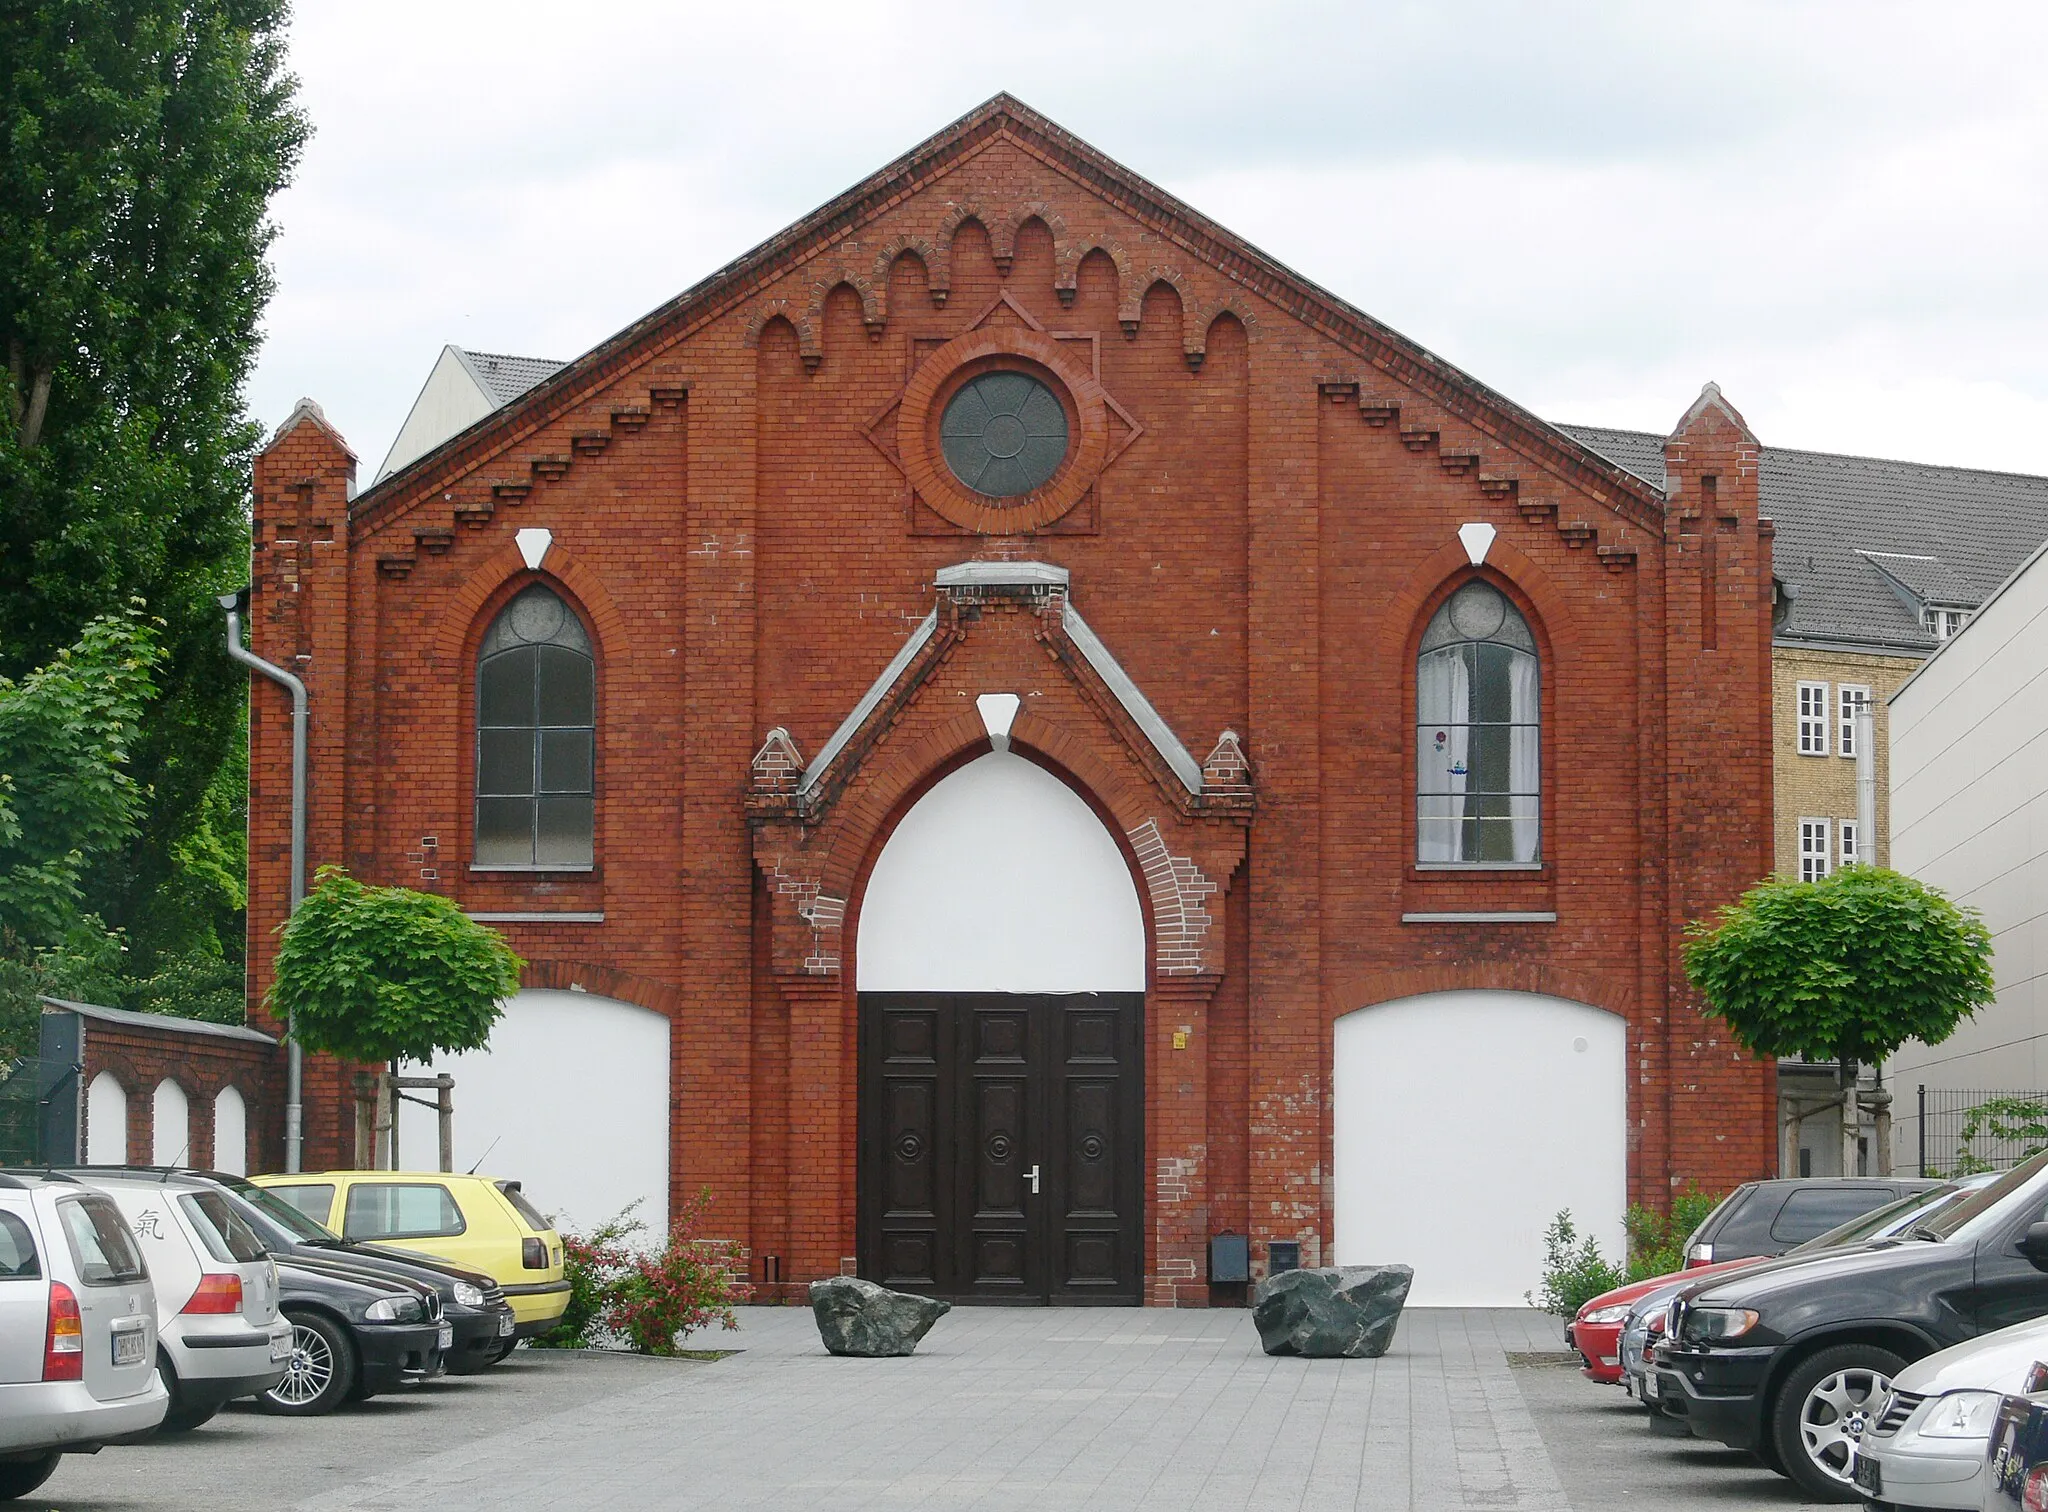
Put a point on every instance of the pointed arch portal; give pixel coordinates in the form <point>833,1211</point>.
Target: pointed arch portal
<point>1000,961</point>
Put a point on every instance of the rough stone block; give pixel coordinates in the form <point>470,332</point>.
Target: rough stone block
<point>857,1317</point>
<point>1342,1312</point>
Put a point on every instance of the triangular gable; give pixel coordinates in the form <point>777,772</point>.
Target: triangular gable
<point>1005,118</point>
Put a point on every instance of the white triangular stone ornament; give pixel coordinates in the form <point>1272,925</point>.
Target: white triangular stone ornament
<point>534,542</point>
<point>1477,539</point>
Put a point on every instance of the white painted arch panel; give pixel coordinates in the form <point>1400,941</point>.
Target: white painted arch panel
<point>570,1099</point>
<point>1463,1122</point>
<point>106,1121</point>
<point>1001,878</point>
<point>230,1132</point>
<point>171,1125</point>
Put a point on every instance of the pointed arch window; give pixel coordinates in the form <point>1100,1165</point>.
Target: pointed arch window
<point>1478,777</point>
<point>536,737</point>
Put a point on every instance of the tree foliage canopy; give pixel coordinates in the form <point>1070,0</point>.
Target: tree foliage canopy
<point>140,144</point>
<point>384,973</point>
<point>1847,969</point>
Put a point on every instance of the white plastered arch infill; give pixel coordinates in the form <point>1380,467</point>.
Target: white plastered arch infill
<point>1001,879</point>
<point>106,1121</point>
<point>230,1132</point>
<point>170,1125</point>
<point>570,1099</point>
<point>1514,1104</point>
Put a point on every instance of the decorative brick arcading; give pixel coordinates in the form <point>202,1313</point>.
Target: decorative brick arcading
<point>1180,913</point>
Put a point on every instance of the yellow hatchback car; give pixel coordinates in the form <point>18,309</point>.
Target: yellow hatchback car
<point>474,1221</point>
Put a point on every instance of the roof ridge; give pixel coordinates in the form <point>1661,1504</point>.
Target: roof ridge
<point>1827,456</point>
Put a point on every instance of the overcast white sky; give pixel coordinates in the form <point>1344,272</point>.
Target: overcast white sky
<point>1839,211</point>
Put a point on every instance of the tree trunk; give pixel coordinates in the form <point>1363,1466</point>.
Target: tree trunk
<point>1852,1120</point>
<point>38,406</point>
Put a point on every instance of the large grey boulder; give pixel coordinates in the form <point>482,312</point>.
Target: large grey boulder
<point>1342,1312</point>
<point>857,1317</point>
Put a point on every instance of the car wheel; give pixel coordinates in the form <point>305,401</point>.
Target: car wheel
<point>1823,1407</point>
<point>180,1416</point>
<point>19,1477</point>
<point>320,1373</point>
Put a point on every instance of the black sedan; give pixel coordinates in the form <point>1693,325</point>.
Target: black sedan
<point>355,1334</point>
<point>1791,1359</point>
<point>480,1321</point>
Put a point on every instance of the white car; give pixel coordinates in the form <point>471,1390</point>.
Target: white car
<point>77,1330</point>
<point>1930,1441</point>
<point>220,1335</point>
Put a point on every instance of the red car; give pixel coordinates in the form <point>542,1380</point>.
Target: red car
<point>1596,1332</point>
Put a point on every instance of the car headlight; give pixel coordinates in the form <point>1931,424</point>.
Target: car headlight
<point>469,1296</point>
<point>1613,1314</point>
<point>393,1310</point>
<point>1715,1324</point>
<point>1961,1415</point>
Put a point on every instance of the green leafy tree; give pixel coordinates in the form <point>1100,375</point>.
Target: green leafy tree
<point>382,974</point>
<point>68,805</point>
<point>1656,1241</point>
<point>141,142</point>
<point>1845,969</point>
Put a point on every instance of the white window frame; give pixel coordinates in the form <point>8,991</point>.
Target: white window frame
<point>1816,854</point>
<point>1848,698</point>
<point>1848,841</point>
<point>1811,708</point>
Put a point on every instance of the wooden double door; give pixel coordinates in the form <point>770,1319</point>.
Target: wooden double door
<point>1001,1147</point>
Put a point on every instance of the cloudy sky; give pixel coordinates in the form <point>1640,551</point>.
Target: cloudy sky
<point>1839,211</point>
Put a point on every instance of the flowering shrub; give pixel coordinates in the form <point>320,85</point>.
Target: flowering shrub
<point>649,1300</point>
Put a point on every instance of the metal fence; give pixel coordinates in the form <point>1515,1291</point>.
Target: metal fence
<point>1961,1131</point>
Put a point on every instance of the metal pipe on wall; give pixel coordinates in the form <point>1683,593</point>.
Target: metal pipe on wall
<point>293,1074</point>
<point>1866,784</point>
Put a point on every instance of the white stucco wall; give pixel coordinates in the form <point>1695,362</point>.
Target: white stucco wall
<point>230,1132</point>
<point>106,1121</point>
<point>1463,1123</point>
<point>571,1099</point>
<point>1969,773</point>
<point>171,1137</point>
<point>1001,879</point>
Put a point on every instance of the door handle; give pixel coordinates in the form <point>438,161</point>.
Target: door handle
<point>1032,1176</point>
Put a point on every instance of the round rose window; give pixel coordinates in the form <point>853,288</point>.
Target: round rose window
<point>1004,434</point>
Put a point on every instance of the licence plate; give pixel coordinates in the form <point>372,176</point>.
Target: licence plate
<point>280,1347</point>
<point>444,1336</point>
<point>1650,1388</point>
<point>505,1325</point>
<point>1868,1476</point>
<point>128,1346</point>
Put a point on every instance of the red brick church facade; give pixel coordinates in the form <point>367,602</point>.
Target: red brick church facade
<point>751,509</point>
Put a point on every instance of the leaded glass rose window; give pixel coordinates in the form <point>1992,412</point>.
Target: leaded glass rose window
<point>1478,782</point>
<point>1004,434</point>
<point>536,736</point>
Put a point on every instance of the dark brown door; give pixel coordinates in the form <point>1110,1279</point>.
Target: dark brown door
<point>1001,1147</point>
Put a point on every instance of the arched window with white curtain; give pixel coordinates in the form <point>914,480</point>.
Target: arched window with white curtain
<point>1478,771</point>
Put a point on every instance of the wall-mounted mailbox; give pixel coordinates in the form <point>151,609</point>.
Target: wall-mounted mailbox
<point>1230,1258</point>
<point>1282,1255</point>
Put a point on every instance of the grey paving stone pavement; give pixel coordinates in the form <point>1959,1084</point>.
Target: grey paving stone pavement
<point>1000,1409</point>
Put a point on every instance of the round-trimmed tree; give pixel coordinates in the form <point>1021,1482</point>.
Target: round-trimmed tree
<point>1847,969</point>
<point>385,974</point>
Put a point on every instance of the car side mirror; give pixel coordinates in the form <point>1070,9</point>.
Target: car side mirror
<point>2034,1244</point>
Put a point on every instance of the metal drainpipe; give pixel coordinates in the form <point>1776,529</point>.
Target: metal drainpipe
<point>232,602</point>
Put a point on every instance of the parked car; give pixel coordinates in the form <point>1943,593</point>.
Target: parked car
<point>1770,1217</point>
<point>1931,1441</point>
<point>1792,1360</point>
<point>77,1330</point>
<point>480,1321</point>
<point>355,1334</point>
<point>2016,1471</point>
<point>219,1332</point>
<point>1646,1321</point>
<point>475,1221</point>
<point>1595,1331</point>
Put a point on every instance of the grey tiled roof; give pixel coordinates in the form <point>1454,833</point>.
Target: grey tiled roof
<point>1854,531</point>
<point>505,378</point>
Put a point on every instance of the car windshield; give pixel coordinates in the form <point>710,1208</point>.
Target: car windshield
<point>536,1220</point>
<point>221,1228</point>
<point>273,1211</point>
<point>100,1246</point>
<point>1988,1207</point>
<point>1893,1216</point>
